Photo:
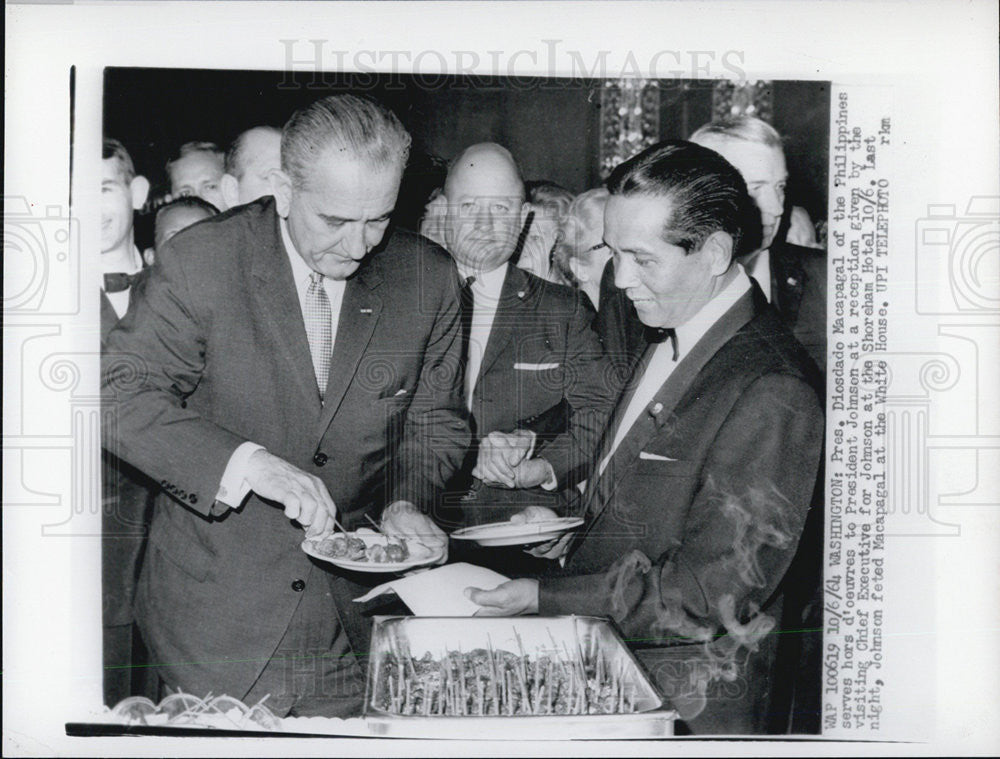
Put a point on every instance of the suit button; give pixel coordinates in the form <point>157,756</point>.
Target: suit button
<point>298,586</point>
<point>320,458</point>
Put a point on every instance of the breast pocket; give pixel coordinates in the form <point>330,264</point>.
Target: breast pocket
<point>659,465</point>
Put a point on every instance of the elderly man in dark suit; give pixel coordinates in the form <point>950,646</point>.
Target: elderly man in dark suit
<point>792,277</point>
<point>536,376</point>
<point>286,366</point>
<point>704,475</point>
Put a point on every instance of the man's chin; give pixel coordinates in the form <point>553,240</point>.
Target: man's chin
<point>339,270</point>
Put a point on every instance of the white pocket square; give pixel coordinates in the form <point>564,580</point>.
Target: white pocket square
<point>399,392</point>
<point>536,367</point>
<point>654,457</point>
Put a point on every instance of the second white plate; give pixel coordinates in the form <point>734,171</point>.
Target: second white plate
<point>510,534</point>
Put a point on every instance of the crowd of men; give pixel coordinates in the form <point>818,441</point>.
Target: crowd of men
<point>285,357</point>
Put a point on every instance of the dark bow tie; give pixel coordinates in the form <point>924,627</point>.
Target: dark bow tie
<point>118,281</point>
<point>660,335</point>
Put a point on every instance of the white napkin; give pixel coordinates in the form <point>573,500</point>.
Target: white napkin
<point>440,592</point>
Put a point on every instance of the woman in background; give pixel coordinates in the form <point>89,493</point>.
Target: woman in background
<point>549,204</point>
<point>580,253</point>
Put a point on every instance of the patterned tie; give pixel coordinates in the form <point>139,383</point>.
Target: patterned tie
<point>319,330</point>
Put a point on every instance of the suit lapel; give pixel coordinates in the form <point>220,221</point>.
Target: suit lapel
<point>513,298</point>
<point>109,317</point>
<point>661,408</point>
<point>607,439</point>
<point>359,313</point>
<point>788,281</point>
<point>277,299</point>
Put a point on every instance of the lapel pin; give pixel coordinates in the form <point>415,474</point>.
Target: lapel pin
<point>656,409</point>
<point>520,293</point>
<point>366,310</point>
<point>792,281</point>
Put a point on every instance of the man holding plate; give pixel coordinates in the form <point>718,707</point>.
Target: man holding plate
<point>705,473</point>
<point>286,367</point>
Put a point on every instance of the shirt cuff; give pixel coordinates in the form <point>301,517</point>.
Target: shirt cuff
<point>234,486</point>
<point>534,440</point>
<point>551,482</point>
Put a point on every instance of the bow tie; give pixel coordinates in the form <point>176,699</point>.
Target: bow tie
<point>118,281</point>
<point>660,335</point>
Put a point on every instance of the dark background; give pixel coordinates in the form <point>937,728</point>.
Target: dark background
<point>552,126</point>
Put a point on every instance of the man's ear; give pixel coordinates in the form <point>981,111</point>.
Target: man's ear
<point>230,190</point>
<point>139,186</point>
<point>281,188</point>
<point>719,249</point>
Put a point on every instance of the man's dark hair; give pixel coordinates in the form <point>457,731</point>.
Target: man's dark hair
<point>705,192</point>
<point>188,201</point>
<point>114,149</point>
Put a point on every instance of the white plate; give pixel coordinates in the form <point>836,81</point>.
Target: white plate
<point>511,534</point>
<point>419,553</point>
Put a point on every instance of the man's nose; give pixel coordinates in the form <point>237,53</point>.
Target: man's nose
<point>771,203</point>
<point>482,218</point>
<point>354,241</point>
<point>625,273</point>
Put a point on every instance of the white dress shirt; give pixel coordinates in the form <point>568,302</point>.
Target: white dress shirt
<point>758,266</point>
<point>120,300</point>
<point>662,363</point>
<point>485,300</point>
<point>234,486</point>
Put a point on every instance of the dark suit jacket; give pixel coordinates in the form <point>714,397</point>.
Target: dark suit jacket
<point>543,369</point>
<point>127,497</point>
<point>216,354</point>
<point>695,520</point>
<point>798,291</point>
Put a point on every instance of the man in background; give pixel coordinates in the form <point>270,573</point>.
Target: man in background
<point>126,492</point>
<point>197,169</point>
<point>792,277</point>
<point>249,163</point>
<point>175,216</point>
<point>534,365</point>
<point>178,215</point>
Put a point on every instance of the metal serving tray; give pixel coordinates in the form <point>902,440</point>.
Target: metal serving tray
<point>589,636</point>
